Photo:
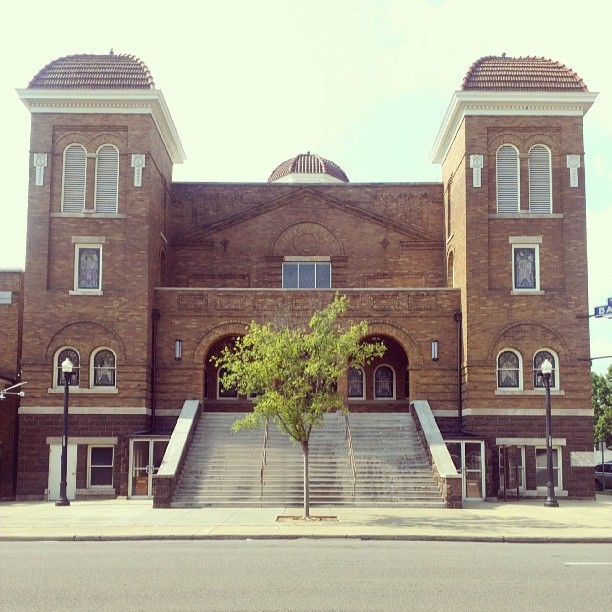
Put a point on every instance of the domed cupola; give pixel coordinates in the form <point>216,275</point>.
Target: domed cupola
<point>308,168</point>
<point>88,71</point>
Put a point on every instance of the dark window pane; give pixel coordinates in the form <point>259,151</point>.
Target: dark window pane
<point>102,455</point>
<point>323,276</point>
<point>101,476</point>
<point>307,276</point>
<point>89,268</point>
<point>524,268</point>
<point>290,275</point>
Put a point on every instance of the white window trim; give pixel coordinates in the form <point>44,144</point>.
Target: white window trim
<point>219,396</point>
<point>116,186</point>
<point>383,399</point>
<point>89,466</point>
<point>521,449</point>
<point>520,290</point>
<point>357,398</point>
<point>73,144</point>
<point>518,179</point>
<point>559,485</point>
<point>557,385</point>
<point>91,370</point>
<point>55,386</point>
<point>529,165</point>
<point>520,371</point>
<point>304,260</point>
<point>76,290</point>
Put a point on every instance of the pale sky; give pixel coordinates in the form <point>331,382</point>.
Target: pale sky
<point>365,83</point>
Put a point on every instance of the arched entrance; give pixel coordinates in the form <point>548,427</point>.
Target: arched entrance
<point>384,384</point>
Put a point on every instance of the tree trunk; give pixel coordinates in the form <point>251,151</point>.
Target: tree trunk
<point>306,481</point>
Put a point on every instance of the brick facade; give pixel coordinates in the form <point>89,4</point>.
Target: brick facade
<point>196,262</point>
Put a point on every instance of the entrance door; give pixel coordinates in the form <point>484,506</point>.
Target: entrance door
<point>55,471</point>
<point>146,455</point>
<point>468,458</point>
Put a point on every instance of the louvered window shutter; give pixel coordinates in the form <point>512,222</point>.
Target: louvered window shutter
<point>107,179</point>
<point>75,169</point>
<point>507,179</point>
<point>540,194</point>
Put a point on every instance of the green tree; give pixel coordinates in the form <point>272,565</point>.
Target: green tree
<point>601,385</point>
<point>293,372</point>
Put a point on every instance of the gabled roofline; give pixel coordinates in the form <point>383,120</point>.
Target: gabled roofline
<point>508,103</point>
<point>110,101</point>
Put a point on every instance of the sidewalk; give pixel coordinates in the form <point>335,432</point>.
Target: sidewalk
<point>523,521</point>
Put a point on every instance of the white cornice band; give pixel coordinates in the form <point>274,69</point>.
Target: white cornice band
<point>508,103</point>
<point>109,101</point>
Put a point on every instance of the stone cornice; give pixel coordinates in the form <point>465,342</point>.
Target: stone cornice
<point>111,101</point>
<point>504,103</point>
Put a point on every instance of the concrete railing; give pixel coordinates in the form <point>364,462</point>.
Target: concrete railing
<point>165,480</point>
<point>445,472</point>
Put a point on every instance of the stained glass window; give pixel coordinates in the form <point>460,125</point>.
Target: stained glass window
<point>104,369</point>
<point>525,268</point>
<point>383,382</point>
<point>355,382</point>
<point>508,373</point>
<point>89,267</point>
<point>74,358</point>
<point>538,379</point>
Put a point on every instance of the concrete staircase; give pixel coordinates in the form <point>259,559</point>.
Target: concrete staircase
<point>224,468</point>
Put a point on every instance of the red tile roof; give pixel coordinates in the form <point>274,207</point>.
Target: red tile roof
<point>308,163</point>
<point>94,72</point>
<point>503,73</point>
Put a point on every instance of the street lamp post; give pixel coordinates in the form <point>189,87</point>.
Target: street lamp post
<point>67,372</point>
<point>551,500</point>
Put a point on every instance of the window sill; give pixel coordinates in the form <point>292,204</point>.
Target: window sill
<point>526,292</point>
<point>528,392</point>
<point>93,390</point>
<point>526,215</point>
<point>356,399</point>
<point>88,214</point>
<point>86,292</point>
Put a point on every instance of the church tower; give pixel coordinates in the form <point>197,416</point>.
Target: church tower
<point>512,153</point>
<point>102,149</point>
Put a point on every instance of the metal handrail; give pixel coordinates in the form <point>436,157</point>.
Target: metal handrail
<point>264,456</point>
<point>349,439</point>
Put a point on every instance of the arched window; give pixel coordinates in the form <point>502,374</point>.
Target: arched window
<point>104,367</point>
<point>384,383</point>
<point>450,270</point>
<point>356,389</point>
<point>507,166</point>
<point>540,181</point>
<point>223,392</point>
<point>538,379</point>
<point>61,356</point>
<point>509,370</point>
<point>75,173</point>
<point>107,179</point>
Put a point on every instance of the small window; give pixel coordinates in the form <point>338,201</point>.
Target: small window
<point>541,470</point>
<point>507,165</point>
<point>306,275</point>
<point>75,171</point>
<point>538,379</point>
<point>100,466</point>
<point>384,383</point>
<point>525,267</point>
<point>67,353</point>
<point>88,267</point>
<point>107,179</point>
<point>508,370</point>
<point>355,383</point>
<point>104,368</point>
<point>540,190</point>
<point>6,297</point>
<point>223,392</point>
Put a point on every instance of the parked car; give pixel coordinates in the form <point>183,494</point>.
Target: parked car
<point>603,471</point>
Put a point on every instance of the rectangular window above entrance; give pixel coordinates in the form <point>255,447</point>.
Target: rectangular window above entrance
<point>306,275</point>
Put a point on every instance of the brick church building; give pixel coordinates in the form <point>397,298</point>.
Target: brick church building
<point>471,282</point>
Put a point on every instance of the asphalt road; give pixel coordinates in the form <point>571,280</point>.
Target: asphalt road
<point>304,575</point>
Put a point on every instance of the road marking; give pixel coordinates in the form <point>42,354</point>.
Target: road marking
<point>588,563</point>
